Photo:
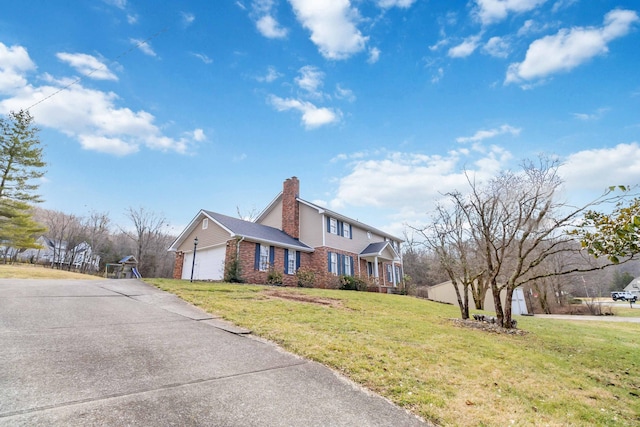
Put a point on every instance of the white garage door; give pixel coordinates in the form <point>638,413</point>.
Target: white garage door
<point>209,264</point>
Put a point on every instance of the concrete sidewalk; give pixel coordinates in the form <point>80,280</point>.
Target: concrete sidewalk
<point>120,352</point>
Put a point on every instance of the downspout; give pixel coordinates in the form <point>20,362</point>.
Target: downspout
<point>238,248</point>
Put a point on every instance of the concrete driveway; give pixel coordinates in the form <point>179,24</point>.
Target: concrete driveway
<point>120,352</point>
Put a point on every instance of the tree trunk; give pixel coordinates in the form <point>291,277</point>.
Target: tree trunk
<point>497,302</point>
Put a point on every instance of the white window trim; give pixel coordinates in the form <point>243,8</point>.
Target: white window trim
<point>205,223</point>
<point>291,267</point>
<point>346,230</point>
<point>333,226</point>
<point>333,268</point>
<point>347,266</point>
<point>264,258</point>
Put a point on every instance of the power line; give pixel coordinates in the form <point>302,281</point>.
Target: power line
<point>103,66</point>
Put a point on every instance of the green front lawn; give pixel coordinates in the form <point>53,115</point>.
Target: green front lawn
<point>410,351</point>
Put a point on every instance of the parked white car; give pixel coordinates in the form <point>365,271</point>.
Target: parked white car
<point>624,296</point>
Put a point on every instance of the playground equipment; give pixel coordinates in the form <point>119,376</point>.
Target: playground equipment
<point>126,268</point>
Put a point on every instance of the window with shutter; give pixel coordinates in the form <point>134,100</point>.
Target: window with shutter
<point>264,258</point>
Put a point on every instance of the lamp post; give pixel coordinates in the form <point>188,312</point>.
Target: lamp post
<point>193,264</point>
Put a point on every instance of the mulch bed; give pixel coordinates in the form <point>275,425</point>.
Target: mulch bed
<point>487,327</point>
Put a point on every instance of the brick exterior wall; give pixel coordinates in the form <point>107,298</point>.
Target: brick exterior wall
<point>177,266</point>
<point>291,208</point>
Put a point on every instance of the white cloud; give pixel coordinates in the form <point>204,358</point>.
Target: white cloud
<point>266,23</point>
<point>466,48</point>
<point>312,116</point>
<point>619,165</point>
<point>570,48</point>
<point>498,47</point>
<point>271,75</point>
<point>387,4</point>
<point>14,63</point>
<point>438,75</point>
<point>144,46</point>
<point>90,116</point>
<point>310,80</point>
<point>88,65</point>
<point>562,4</point>
<point>187,18</point>
<point>374,55</point>
<point>103,144</point>
<point>198,135</point>
<point>492,11</point>
<point>411,183</point>
<point>439,44</point>
<point>597,115</point>
<point>532,27</point>
<point>332,24</point>
<point>270,28</point>
<point>120,4</point>
<point>344,93</point>
<point>491,133</point>
<point>204,58</point>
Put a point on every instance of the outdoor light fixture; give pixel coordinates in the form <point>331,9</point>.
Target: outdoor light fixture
<point>193,264</point>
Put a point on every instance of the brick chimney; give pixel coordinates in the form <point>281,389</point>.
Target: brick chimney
<point>290,207</point>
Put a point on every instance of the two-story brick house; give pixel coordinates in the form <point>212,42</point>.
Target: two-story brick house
<point>289,234</point>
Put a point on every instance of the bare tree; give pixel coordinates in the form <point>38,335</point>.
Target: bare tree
<point>420,264</point>
<point>63,229</point>
<point>450,238</point>
<point>96,227</point>
<point>150,242</point>
<point>517,224</point>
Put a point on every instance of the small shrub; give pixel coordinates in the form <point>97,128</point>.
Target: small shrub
<point>353,283</point>
<point>233,271</point>
<point>306,277</point>
<point>327,281</point>
<point>274,277</point>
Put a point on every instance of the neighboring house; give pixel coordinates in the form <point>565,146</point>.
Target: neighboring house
<point>289,234</point>
<point>634,287</point>
<point>56,252</point>
<point>445,292</point>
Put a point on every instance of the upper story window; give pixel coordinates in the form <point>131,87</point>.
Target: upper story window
<point>333,226</point>
<point>339,228</point>
<point>346,230</point>
<point>205,223</point>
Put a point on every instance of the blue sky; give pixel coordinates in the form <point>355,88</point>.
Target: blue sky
<point>377,106</point>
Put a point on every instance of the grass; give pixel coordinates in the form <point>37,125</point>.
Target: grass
<point>30,271</point>
<point>409,350</point>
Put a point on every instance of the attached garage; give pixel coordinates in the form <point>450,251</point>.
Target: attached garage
<point>209,264</point>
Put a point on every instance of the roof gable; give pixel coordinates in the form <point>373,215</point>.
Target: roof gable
<point>245,229</point>
<point>384,249</point>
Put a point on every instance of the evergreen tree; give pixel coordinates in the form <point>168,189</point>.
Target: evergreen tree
<point>21,166</point>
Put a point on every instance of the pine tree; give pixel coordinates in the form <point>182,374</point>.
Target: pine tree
<point>21,165</point>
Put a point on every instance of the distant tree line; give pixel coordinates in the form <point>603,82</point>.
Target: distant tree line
<point>145,239</point>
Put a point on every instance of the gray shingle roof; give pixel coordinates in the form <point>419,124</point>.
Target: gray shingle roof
<point>259,232</point>
<point>374,248</point>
